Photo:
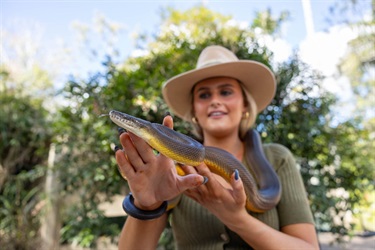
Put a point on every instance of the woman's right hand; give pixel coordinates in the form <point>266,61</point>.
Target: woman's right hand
<point>152,178</point>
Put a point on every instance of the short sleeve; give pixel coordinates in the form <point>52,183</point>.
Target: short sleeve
<point>293,207</point>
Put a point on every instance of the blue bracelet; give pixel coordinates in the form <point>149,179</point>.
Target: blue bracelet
<point>133,211</point>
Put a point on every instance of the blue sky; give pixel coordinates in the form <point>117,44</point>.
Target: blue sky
<point>56,16</point>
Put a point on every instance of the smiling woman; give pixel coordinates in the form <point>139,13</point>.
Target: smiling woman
<point>208,97</point>
<point>221,97</point>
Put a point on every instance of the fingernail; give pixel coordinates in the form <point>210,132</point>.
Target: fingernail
<point>205,180</point>
<point>167,113</point>
<point>116,148</point>
<point>236,175</point>
<point>120,130</point>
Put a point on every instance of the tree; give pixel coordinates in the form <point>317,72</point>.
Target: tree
<point>28,72</point>
<point>358,66</point>
<point>25,138</point>
<point>359,62</point>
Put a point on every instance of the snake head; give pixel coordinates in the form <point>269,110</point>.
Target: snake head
<point>132,124</point>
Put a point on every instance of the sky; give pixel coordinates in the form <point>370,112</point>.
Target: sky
<point>319,43</point>
<point>56,16</point>
<point>51,22</point>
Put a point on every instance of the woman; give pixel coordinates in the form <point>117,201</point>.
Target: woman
<point>221,97</point>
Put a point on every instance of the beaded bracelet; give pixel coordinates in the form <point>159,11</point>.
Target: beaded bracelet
<point>133,211</point>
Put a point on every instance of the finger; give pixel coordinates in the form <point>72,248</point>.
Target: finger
<point>188,169</point>
<point>124,167</point>
<point>168,121</point>
<point>213,186</point>
<point>123,138</point>
<point>239,194</point>
<point>200,189</point>
<point>144,150</point>
<point>191,170</point>
<point>190,181</point>
<point>193,194</point>
<point>131,152</point>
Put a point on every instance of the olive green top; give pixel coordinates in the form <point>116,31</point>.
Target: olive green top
<point>194,227</point>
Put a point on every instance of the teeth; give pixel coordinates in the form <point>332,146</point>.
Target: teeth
<point>216,113</point>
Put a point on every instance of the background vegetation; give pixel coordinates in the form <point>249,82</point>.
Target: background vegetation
<point>57,164</point>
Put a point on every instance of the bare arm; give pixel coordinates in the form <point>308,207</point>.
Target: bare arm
<point>140,234</point>
<point>261,236</point>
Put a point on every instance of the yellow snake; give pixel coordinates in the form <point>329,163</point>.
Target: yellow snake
<point>188,151</point>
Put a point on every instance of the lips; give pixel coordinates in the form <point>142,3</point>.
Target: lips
<point>216,113</point>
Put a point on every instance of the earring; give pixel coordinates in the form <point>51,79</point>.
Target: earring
<point>245,115</point>
<point>194,120</point>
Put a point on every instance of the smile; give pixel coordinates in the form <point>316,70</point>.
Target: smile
<point>216,113</point>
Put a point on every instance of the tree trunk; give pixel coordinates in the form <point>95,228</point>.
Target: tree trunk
<point>51,222</point>
<point>3,176</point>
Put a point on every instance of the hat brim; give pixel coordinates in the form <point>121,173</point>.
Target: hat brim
<point>257,79</point>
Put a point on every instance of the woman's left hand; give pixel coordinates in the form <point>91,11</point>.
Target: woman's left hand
<point>221,198</point>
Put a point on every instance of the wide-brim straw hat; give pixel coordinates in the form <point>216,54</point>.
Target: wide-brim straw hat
<point>217,61</point>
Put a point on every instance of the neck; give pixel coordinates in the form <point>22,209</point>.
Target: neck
<point>230,143</point>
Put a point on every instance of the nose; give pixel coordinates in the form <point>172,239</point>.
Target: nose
<point>215,100</point>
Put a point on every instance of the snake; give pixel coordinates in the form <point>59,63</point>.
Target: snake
<point>263,190</point>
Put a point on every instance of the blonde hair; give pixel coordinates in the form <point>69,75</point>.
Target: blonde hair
<point>246,123</point>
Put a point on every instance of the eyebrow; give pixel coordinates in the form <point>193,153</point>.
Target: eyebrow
<point>224,85</point>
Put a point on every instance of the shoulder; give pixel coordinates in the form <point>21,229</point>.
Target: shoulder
<point>277,150</point>
<point>278,155</point>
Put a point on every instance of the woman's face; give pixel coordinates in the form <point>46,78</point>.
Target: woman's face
<point>218,105</point>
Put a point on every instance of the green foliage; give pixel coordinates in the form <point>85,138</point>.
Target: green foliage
<point>84,224</point>
<point>19,218</point>
<point>330,161</point>
<point>268,23</point>
<point>24,140</point>
<point>24,132</point>
<point>87,169</point>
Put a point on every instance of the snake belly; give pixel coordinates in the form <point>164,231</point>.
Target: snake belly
<point>261,197</point>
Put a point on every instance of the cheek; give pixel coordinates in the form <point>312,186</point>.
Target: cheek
<point>199,108</point>
<point>236,104</point>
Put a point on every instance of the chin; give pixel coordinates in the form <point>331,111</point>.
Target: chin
<point>220,131</point>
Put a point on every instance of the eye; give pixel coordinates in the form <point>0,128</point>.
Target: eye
<point>204,95</point>
<point>226,92</point>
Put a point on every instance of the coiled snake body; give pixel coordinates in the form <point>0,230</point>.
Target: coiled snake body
<point>188,151</point>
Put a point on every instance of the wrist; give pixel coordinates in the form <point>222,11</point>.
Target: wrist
<point>239,221</point>
<point>151,207</point>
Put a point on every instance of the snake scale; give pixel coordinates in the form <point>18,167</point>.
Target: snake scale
<point>185,150</point>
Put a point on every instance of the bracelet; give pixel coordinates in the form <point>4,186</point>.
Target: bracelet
<point>133,211</point>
